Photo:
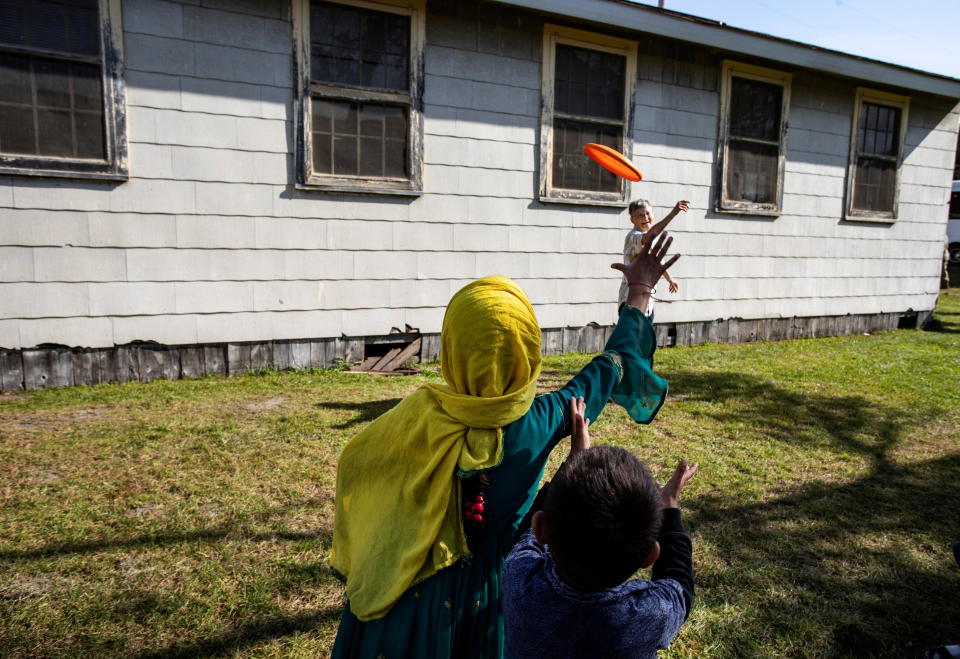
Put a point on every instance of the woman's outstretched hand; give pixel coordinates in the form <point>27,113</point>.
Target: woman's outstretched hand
<point>643,273</point>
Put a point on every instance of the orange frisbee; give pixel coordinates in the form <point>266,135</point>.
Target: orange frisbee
<point>613,161</point>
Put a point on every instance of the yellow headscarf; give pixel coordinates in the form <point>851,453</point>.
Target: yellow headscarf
<point>398,510</point>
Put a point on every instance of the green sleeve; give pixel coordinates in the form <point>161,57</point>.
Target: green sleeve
<point>640,391</point>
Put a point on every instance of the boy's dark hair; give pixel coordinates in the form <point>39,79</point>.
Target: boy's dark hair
<point>637,203</point>
<point>602,513</point>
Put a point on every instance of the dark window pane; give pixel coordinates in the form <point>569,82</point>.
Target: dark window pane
<point>372,121</point>
<point>373,35</point>
<point>56,132</point>
<point>53,84</point>
<point>359,47</point>
<point>373,70</point>
<point>346,68</point>
<point>16,130</point>
<point>589,82</point>
<point>14,21</point>
<point>371,156</point>
<point>351,139</point>
<point>321,23</point>
<point>347,27</point>
<point>395,75</point>
<point>955,205</point>
<point>87,94</point>
<point>322,135</point>
<point>345,119</point>
<point>89,135</point>
<point>48,26</point>
<point>345,155</point>
<point>61,112</point>
<point>395,122</point>
<point>752,172</point>
<point>874,184</point>
<point>323,62</point>
<point>15,85</point>
<point>398,35</point>
<point>572,169</point>
<point>323,153</point>
<point>322,116</point>
<point>83,34</point>
<point>879,130</point>
<point>70,26</point>
<point>755,109</point>
<point>395,158</point>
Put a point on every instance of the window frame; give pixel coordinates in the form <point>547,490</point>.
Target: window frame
<point>877,97</point>
<point>729,70</point>
<point>115,166</point>
<point>306,178</point>
<point>558,34</point>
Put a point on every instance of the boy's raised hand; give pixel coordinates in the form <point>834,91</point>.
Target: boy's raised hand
<point>579,426</point>
<point>682,205</point>
<point>670,493</point>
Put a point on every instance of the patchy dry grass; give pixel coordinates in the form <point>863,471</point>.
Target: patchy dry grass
<point>182,519</point>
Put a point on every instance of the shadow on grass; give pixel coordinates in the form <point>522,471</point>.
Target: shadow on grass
<point>853,559</point>
<point>254,632</point>
<point>825,552</point>
<point>852,423</point>
<point>943,326</point>
<point>163,539</point>
<point>366,412</point>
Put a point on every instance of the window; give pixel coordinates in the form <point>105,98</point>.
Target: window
<point>588,83</point>
<point>59,78</point>
<point>359,96</point>
<point>753,125</point>
<point>879,124</point>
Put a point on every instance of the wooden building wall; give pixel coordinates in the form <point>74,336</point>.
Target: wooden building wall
<point>208,242</point>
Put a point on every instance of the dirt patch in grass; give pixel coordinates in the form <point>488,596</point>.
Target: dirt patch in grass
<point>21,587</point>
<point>45,419</point>
<point>263,406</point>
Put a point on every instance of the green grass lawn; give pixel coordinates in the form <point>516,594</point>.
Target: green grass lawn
<point>193,518</point>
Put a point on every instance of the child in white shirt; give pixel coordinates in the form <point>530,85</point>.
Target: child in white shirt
<point>641,216</point>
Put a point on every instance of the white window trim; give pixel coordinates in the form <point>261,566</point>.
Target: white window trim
<point>306,178</point>
<point>879,98</point>
<point>730,69</point>
<point>114,167</point>
<point>552,35</point>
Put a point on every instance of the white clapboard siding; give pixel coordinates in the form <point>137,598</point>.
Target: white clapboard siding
<point>208,242</point>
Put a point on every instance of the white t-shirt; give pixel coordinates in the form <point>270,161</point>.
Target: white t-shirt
<point>631,248</point>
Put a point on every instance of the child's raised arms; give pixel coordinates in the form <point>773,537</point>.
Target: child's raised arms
<point>670,493</point>
<point>656,229</point>
<point>579,426</point>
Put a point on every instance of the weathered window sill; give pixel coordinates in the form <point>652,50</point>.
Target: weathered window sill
<point>43,170</point>
<point>396,192</point>
<point>873,219</point>
<point>609,203</point>
<point>757,212</point>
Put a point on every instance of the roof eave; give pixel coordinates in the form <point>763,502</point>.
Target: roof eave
<point>642,18</point>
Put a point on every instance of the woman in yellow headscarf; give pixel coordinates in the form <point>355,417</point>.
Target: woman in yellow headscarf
<point>431,494</point>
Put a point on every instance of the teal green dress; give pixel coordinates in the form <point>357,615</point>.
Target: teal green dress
<point>457,612</point>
